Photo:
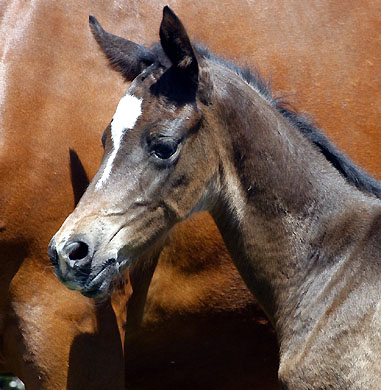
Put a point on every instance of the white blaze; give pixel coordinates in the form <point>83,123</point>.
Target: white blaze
<point>127,113</point>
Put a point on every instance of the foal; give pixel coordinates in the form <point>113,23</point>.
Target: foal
<point>192,134</point>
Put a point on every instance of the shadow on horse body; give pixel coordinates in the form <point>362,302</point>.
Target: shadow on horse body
<point>191,321</point>
<point>196,133</point>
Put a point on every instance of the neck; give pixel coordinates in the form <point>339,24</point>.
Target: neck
<point>280,204</point>
<point>305,242</point>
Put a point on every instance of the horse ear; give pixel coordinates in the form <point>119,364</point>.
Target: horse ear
<point>126,57</point>
<point>176,45</point>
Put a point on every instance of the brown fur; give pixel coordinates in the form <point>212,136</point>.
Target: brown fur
<point>59,94</point>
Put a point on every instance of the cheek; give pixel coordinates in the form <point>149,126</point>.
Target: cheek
<point>153,183</point>
<point>196,177</point>
<point>184,188</point>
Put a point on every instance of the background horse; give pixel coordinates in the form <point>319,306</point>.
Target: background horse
<point>56,94</point>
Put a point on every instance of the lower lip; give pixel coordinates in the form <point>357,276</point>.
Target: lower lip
<point>90,291</point>
<point>93,293</point>
<point>97,279</point>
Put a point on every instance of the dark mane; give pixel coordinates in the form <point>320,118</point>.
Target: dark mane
<point>353,174</point>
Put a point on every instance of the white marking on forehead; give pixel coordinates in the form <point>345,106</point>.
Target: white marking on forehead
<point>127,113</point>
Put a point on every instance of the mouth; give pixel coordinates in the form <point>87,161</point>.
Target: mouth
<point>100,285</point>
<point>95,286</point>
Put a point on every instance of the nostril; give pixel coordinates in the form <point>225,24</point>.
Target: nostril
<point>77,250</point>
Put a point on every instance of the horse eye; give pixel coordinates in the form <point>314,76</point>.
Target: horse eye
<point>164,150</point>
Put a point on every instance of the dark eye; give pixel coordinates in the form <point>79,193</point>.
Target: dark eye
<point>164,148</point>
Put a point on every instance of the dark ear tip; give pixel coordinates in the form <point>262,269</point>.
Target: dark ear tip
<point>166,9</point>
<point>94,24</point>
<point>167,12</point>
<point>95,27</point>
<point>93,20</point>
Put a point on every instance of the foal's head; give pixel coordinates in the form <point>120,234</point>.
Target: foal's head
<point>156,168</point>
